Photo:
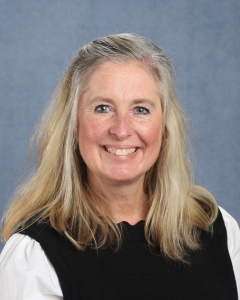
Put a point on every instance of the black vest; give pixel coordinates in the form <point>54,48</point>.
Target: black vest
<point>135,272</point>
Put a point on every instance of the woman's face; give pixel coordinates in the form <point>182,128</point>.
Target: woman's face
<point>120,123</point>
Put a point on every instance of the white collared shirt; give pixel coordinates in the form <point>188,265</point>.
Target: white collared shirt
<point>26,273</point>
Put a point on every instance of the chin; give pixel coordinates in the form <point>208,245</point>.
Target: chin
<point>124,177</point>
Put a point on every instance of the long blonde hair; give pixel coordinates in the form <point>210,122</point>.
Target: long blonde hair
<point>58,190</point>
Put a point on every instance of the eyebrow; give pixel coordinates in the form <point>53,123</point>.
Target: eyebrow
<point>144,100</point>
<point>100,99</point>
<point>134,102</point>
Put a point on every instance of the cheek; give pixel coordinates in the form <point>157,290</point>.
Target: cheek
<point>89,131</point>
<point>87,137</point>
<point>153,135</point>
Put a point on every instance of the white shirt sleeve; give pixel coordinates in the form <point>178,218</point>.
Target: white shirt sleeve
<point>26,273</point>
<point>233,236</point>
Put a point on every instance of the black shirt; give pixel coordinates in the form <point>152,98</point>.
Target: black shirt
<point>138,272</point>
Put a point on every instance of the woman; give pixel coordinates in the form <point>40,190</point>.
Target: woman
<point>111,211</point>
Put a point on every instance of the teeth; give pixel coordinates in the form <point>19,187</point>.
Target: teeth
<point>121,152</point>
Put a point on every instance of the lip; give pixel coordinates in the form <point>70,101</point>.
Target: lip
<point>120,147</point>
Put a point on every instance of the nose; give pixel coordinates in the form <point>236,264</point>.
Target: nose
<point>121,127</point>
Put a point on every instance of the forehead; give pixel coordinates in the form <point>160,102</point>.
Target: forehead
<point>111,73</point>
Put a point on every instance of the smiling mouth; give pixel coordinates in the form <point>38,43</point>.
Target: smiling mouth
<point>121,152</point>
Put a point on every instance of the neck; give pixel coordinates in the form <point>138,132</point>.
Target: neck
<point>126,202</point>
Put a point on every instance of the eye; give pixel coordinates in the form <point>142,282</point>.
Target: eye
<point>102,109</point>
<point>142,110</point>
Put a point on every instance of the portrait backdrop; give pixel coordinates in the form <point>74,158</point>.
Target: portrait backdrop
<point>38,39</point>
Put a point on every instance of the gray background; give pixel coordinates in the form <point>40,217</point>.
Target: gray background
<point>38,39</point>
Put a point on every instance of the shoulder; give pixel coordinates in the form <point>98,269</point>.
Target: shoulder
<point>24,265</point>
<point>233,240</point>
<point>233,232</point>
<point>23,249</point>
